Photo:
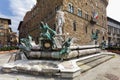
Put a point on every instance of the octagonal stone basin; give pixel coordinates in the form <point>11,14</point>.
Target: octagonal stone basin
<point>36,65</point>
<point>32,66</point>
<point>43,64</point>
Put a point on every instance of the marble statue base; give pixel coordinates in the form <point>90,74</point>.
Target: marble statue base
<point>76,51</point>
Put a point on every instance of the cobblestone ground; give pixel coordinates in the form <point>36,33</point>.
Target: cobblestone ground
<point>109,70</point>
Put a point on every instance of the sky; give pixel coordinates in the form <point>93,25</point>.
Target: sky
<point>113,10</point>
<point>16,9</point>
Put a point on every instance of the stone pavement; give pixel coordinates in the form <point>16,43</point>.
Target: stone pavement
<point>5,52</point>
<point>109,70</point>
<point>4,59</point>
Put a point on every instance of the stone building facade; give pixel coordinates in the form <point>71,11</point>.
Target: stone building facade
<point>113,32</point>
<point>82,18</point>
<point>7,36</point>
<point>4,31</point>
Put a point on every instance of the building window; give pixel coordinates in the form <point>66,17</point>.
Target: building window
<point>74,25</point>
<point>102,17</point>
<point>70,8</point>
<point>86,16</point>
<point>103,38</point>
<point>80,12</point>
<point>1,34</point>
<point>86,30</point>
<point>109,29</point>
<point>57,8</point>
<point>1,27</point>
<point>2,21</point>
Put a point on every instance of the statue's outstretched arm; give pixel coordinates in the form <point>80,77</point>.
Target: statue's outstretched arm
<point>51,30</point>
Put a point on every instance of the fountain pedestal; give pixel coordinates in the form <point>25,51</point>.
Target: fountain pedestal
<point>53,56</point>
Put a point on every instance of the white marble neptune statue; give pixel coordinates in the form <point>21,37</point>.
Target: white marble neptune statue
<point>60,22</point>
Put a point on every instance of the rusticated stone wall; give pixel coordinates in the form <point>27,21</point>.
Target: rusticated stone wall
<point>79,27</point>
<point>84,28</point>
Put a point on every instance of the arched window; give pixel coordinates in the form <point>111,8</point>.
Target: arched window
<point>57,8</point>
<point>70,8</point>
<point>79,12</point>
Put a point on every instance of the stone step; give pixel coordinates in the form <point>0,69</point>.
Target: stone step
<point>80,63</point>
<point>91,63</point>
